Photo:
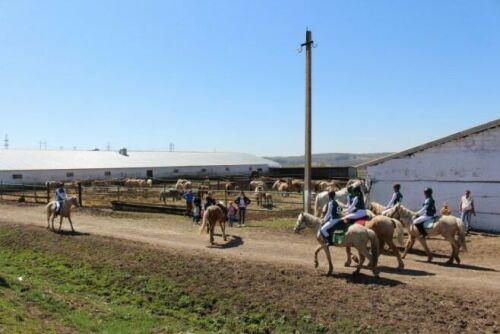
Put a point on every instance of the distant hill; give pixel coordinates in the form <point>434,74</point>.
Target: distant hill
<point>328,159</point>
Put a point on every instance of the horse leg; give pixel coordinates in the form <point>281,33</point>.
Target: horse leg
<point>427,250</point>
<point>349,254</point>
<point>212,234</point>
<point>362,255</point>
<point>60,223</point>
<point>316,263</point>
<point>454,250</point>
<point>395,251</point>
<point>53,218</point>
<point>71,224</point>
<point>223,228</point>
<point>409,245</point>
<point>329,257</point>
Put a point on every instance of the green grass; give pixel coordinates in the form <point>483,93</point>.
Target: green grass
<point>42,291</point>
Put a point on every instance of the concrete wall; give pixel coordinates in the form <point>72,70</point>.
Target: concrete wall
<point>38,177</point>
<point>469,163</point>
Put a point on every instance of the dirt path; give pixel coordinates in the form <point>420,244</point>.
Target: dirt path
<point>480,272</point>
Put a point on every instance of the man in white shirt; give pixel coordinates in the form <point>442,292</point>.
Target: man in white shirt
<point>467,209</point>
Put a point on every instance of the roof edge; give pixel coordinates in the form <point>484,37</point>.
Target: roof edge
<point>437,142</point>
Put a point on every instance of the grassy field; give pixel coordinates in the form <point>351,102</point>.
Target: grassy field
<point>53,283</point>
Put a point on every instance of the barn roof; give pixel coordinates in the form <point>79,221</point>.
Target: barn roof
<point>455,136</point>
<point>13,160</point>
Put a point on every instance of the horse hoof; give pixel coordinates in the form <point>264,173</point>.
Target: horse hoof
<point>429,259</point>
<point>355,273</point>
<point>316,264</point>
<point>401,266</point>
<point>355,259</point>
<point>458,260</point>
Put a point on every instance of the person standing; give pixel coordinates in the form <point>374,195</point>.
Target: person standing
<point>242,201</point>
<point>467,209</point>
<point>189,196</point>
<point>231,213</point>
<point>197,209</point>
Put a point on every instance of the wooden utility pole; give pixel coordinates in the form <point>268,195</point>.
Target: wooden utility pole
<point>307,163</point>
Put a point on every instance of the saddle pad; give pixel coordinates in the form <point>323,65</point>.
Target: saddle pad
<point>361,222</point>
<point>429,224</point>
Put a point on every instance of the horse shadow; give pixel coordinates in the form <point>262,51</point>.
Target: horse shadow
<point>4,283</point>
<point>234,241</point>
<point>405,271</point>
<point>367,279</point>
<point>460,266</point>
<point>71,233</point>
<point>423,253</point>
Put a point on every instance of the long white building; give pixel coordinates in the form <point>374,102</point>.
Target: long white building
<point>34,167</point>
<point>465,160</point>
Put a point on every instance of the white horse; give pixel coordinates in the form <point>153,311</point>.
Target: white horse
<point>65,211</point>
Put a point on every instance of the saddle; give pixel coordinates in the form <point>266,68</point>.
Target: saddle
<point>336,234</point>
<point>429,224</point>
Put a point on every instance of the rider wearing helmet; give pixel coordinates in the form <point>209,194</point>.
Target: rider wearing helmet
<point>396,198</point>
<point>60,197</point>
<point>427,212</point>
<point>350,195</point>
<point>332,220</point>
<point>356,208</point>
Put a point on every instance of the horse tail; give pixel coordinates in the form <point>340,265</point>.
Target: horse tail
<point>204,221</point>
<point>374,246</point>
<point>461,235</point>
<point>400,229</point>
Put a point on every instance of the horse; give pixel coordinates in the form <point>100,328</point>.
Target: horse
<point>356,236</point>
<point>149,183</point>
<point>446,226</point>
<point>65,211</point>
<point>170,193</point>
<point>213,214</point>
<point>255,184</point>
<point>183,184</point>
<point>260,195</point>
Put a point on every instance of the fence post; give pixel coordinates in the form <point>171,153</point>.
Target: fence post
<point>118,192</point>
<point>1,190</point>
<point>80,200</point>
<point>36,198</point>
<point>48,192</point>
<point>225,197</point>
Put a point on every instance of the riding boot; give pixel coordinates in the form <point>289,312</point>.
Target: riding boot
<point>421,229</point>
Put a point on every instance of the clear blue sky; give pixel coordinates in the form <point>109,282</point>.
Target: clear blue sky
<point>226,75</point>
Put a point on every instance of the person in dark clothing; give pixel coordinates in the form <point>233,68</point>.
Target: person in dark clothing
<point>197,209</point>
<point>189,196</point>
<point>209,200</point>
<point>242,202</point>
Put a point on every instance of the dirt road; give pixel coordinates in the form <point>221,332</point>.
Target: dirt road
<point>480,269</point>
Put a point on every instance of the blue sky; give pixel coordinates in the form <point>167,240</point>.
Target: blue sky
<point>226,75</point>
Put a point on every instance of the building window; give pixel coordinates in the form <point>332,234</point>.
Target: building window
<point>203,170</point>
<point>70,174</point>
<point>250,168</point>
<point>107,173</point>
<point>17,176</point>
<point>149,173</point>
<point>227,169</point>
<point>176,171</point>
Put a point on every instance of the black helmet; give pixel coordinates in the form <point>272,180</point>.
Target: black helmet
<point>396,186</point>
<point>350,189</point>
<point>331,194</point>
<point>428,191</point>
<point>357,189</point>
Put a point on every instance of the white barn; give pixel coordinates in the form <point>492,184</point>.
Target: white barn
<point>35,167</point>
<point>465,160</point>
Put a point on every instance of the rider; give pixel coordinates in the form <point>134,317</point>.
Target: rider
<point>350,195</point>
<point>61,196</point>
<point>332,218</point>
<point>427,212</point>
<point>356,208</point>
<point>396,198</point>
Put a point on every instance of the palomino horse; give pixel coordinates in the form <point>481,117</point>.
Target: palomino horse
<point>356,236</point>
<point>64,211</point>
<point>213,214</point>
<point>446,226</point>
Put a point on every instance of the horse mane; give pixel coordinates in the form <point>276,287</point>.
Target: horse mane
<point>405,211</point>
<point>376,207</point>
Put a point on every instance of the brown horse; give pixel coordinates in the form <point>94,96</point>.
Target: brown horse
<point>446,226</point>
<point>356,236</point>
<point>213,214</point>
<point>65,211</point>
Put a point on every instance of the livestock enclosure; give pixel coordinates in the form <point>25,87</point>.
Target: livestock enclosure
<point>106,194</point>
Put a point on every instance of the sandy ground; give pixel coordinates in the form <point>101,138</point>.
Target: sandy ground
<point>480,269</point>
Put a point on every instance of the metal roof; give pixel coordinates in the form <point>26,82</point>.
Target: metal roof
<point>13,160</point>
<point>455,136</point>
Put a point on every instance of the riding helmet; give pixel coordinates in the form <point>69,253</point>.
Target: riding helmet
<point>428,191</point>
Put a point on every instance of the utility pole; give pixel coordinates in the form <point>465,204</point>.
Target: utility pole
<point>307,154</point>
<point>172,147</point>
